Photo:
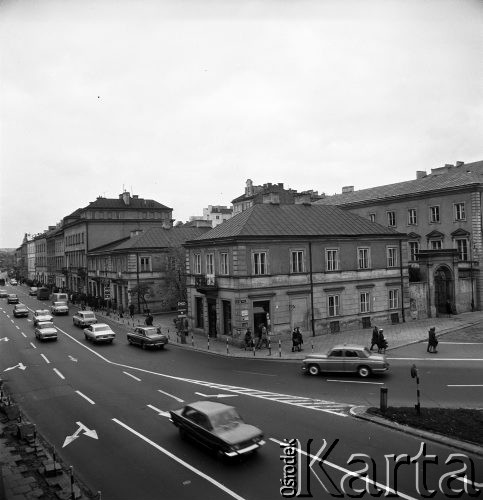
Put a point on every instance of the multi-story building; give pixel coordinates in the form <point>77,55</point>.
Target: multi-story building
<point>217,214</point>
<point>31,260</point>
<point>442,214</point>
<point>41,273</point>
<point>320,268</point>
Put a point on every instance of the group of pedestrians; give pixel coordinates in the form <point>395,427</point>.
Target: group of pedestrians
<point>260,340</point>
<point>379,340</point>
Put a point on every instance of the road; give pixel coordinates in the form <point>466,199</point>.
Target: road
<point>104,409</point>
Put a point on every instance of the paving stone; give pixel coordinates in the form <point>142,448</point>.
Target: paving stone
<point>21,489</point>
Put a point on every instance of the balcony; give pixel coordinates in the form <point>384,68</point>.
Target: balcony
<point>206,284</point>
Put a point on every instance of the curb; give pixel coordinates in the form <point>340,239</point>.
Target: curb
<point>361,412</point>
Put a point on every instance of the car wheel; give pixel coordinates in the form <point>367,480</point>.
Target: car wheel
<point>85,335</point>
<point>314,370</point>
<point>364,371</point>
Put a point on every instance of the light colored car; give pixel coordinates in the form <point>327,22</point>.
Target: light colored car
<point>20,311</point>
<point>13,282</point>
<point>147,336</point>
<point>42,315</point>
<point>84,318</point>
<point>347,358</point>
<point>99,332</point>
<point>33,290</point>
<point>3,294</point>
<point>45,330</point>
<point>12,298</point>
<point>59,308</point>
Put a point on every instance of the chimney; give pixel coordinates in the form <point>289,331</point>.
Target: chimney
<point>347,189</point>
<point>249,188</point>
<point>135,232</point>
<point>302,198</point>
<point>125,197</point>
<point>421,174</point>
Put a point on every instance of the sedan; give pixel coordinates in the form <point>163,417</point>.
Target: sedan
<point>33,291</point>
<point>20,311</point>
<point>12,298</point>
<point>13,282</point>
<point>346,358</point>
<point>3,294</point>
<point>42,315</point>
<point>84,318</point>
<point>147,336</point>
<point>218,427</point>
<point>45,330</point>
<point>59,308</point>
<point>99,332</point>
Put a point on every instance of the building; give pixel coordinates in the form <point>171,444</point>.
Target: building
<point>442,214</point>
<point>217,214</point>
<point>313,266</point>
<point>41,274</point>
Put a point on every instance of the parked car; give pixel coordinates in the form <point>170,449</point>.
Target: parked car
<point>348,358</point>
<point>59,308</point>
<point>13,282</point>
<point>84,318</point>
<point>218,427</point>
<point>45,330</point>
<point>33,290</point>
<point>12,298</point>
<point>43,293</point>
<point>99,332</point>
<point>20,311</point>
<point>147,336</point>
<point>42,315</point>
<point>3,294</point>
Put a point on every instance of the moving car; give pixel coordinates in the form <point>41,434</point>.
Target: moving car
<point>99,332</point>
<point>147,336</point>
<point>60,297</point>
<point>13,282</point>
<point>33,290</point>
<point>3,294</point>
<point>45,330</point>
<point>43,293</point>
<point>42,315</point>
<point>59,308</point>
<point>20,311</point>
<point>348,358</point>
<point>12,298</point>
<point>218,427</point>
<point>84,318</point>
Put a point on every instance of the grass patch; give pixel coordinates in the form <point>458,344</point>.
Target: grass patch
<point>456,423</point>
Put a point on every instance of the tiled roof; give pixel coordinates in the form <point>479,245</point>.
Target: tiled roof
<point>268,220</point>
<point>465,175</point>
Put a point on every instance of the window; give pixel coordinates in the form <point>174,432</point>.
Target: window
<point>145,264</point>
<point>391,257</point>
<point>434,214</point>
<point>224,264</point>
<point>363,258</point>
<point>297,261</point>
<point>259,263</point>
<point>364,302</point>
<point>332,259</point>
<point>334,305</point>
<point>372,217</point>
<point>210,266</point>
<point>459,211</point>
<point>391,219</point>
<point>462,246</point>
<point>436,244</point>
<point>393,298</point>
<point>197,263</point>
<point>413,249</point>
<point>412,217</point>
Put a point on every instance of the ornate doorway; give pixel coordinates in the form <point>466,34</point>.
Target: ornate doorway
<point>443,289</point>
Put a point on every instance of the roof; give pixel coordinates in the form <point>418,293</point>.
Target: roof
<point>209,407</point>
<point>268,220</point>
<point>468,174</point>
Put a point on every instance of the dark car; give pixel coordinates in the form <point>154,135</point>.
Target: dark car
<point>33,290</point>
<point>12,298</point>
<point>348,358</point>
<point>20,311</point>
<point>3,294</point>
<point>43,293</point>
<point>147,336</point>
<point>218,427</point>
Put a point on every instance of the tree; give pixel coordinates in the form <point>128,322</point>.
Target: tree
<point>138,295</point>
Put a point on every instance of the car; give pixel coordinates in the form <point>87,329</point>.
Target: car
<point>13,282</point>
<point>84,318</point>
<point>218,427</point>
<point>20,310</point>
<point>147,336</point>
<point>348,358</point>
<point>33,290</point>
<point>45,330</point>
<point>43,293</point>
<point>12,298</point>
<point>42,315</point>
<point>59,308</point>
<point>3,294</point>
<point>99,332</point>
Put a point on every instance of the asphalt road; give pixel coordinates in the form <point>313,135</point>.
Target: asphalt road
<point>103,408</point>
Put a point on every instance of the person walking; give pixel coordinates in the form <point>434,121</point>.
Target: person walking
<point>248,339</point>
<point>131,310</point>
<point>382,342</point>
<point>121,311</point>
<point>297,340</point>
<point>264,337</point>
<point>432,340</point>
<point>375,337</point>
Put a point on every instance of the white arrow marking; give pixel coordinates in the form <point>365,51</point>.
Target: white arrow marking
<point>171,396</point>
<point>5,339</point>
<point>20,365</point>
<point>87,432</point>
<point>73,359</point>
<point>217,395</point>
<point>161,413</point>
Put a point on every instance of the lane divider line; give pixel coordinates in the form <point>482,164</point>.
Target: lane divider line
<point>58,373</point>
<point>171,396</point>
<point>24,334</point>
<point>85,397</point>
<point>45,359</point>
<point>33,345</point>
<point>132,376</point>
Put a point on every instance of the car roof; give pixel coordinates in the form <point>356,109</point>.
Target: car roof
<point>20,305</point>
<point>348,346</point>
<point>42,311</point>
<point>209,407</point>
<point>97,325</point>
<point>45,323</point>
<point>85,312</point>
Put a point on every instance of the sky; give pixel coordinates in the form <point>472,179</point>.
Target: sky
<point>182,101</point>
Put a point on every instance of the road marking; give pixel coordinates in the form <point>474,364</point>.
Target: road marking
<point>58,373</point>
<point>255,373</point>
<point>171,396</point>
<point>179,460</point>
<point>462,343</point>
<point>132,376</point>
<point>354,382</point>
<point>45,359</point>
<point>33,345</point>
<point>216,395</point>
<point>160,412</point>
<point>87,432</point>
<point>85,397</point>
<point>23,334</point>
<point>465,385</point>
<point>17,327</point>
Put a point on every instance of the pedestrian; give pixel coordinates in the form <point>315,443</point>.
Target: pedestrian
<point>382,342</point>
<point>264,337</point>
<point>297,340</point>
<point>121,311</point>
<point>448,308</point>
<point>258,336</point>
<point>149,320</point>
<point>248,339</point>
<point>375,337</point>
<point>432,340</point>
<point>131,310</point>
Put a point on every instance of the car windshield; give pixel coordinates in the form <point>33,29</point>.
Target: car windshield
<point>41,313</point>
<point>152,332</point>
<point>225,420</point>
<point>103,328</point>
<point>46,324</point>
<point>57,304</point>
<point>88,315</point>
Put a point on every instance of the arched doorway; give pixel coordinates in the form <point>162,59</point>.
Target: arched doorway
<point>443,289</point>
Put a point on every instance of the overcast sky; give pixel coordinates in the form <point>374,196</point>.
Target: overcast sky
<point>182,101</point>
